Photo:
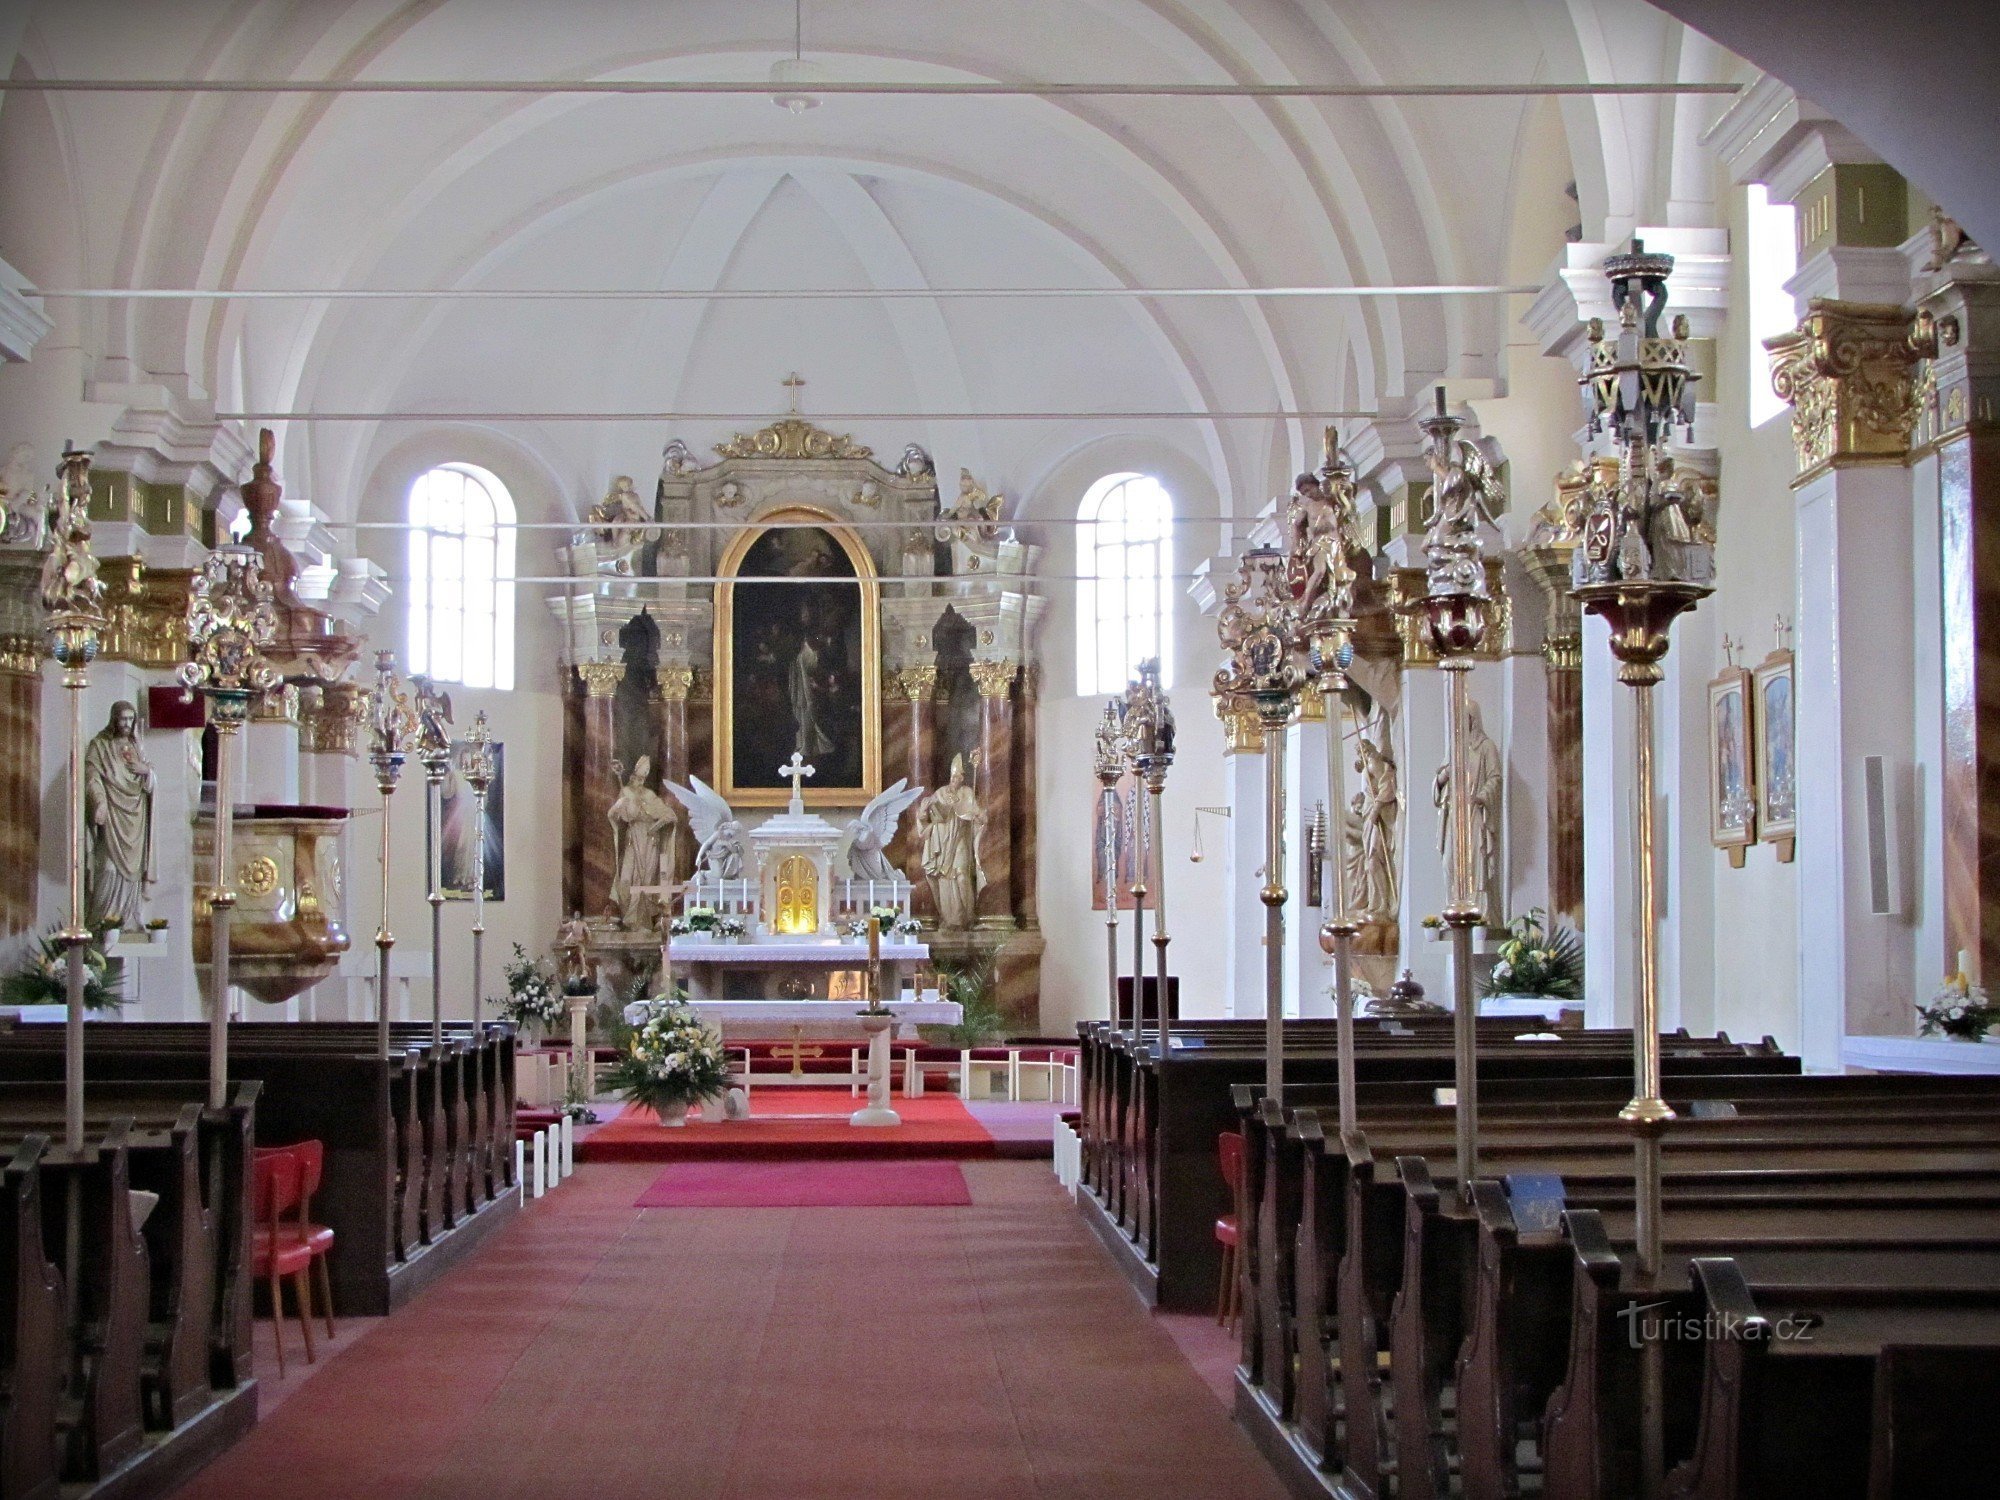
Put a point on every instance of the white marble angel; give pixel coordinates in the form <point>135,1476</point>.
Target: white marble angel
<point>717,831</point>
<point>870,834</point>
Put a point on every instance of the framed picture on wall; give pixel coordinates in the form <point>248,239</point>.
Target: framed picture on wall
<point>1777,772</point>
<point>461,829</point>
<point>1732,786</point>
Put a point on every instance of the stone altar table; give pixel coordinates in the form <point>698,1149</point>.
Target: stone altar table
<point>701,961</point>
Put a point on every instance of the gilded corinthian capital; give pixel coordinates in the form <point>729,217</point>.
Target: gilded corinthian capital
<point>994,678</point>
<point>1850,374</point>
<point>600,678</point>
<point>331,718</point>
<point>673,684</point>
<point>917,684</point>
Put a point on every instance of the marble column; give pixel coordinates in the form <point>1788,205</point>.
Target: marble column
<point>670,752</point>
<point>1849,374</point>
<point>907,715</point>
<point>994,783</point>
<point>1965,307</point>
<point>599,784</point>
<point>1562,666</point>
<point>20,780</point>
<point>1022,795</point>
<point>701,726</point>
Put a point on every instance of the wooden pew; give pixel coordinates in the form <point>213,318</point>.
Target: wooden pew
<point>34,1357</point>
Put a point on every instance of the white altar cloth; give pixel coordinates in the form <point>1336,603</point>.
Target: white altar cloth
<point>764,952</point>
<point>777,1015</point>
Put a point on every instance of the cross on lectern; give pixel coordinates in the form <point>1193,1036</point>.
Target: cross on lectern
<point>798,770</point>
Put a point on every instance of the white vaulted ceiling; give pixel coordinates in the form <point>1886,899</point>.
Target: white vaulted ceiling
<point>863,192</point>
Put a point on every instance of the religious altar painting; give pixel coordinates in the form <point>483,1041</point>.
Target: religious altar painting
<point>458,849</point>
<point>1114,827</point>
<point>1777,776</point>
<point>1732,812</point>
<point>797,665</point>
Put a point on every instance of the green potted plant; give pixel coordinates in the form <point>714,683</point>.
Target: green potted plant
<point>969,982</point>
<point>671,1060</point>
<point>43,978</point>
<point>1539,960</point>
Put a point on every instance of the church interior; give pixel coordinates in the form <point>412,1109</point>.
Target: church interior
<point>1087,748</point>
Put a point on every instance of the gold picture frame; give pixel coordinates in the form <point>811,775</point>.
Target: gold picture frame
<point>759,788</point>
<point>1775,713</point>
<point>1732,772</point>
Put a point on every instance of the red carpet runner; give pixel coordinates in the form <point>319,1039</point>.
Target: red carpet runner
<point>809,1184</point>
<point>797,1124</point>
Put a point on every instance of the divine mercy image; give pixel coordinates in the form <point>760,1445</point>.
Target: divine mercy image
<point>796,668</point>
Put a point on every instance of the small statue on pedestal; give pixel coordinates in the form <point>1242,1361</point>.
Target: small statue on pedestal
<point>118,822</point>
<point>572,967</point>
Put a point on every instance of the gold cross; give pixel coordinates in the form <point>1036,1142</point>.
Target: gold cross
<point>800,1052</point>
<point>794,383</point>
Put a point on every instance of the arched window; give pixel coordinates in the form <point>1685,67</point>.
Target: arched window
<point>461,577</point>
<point>1124,551</point>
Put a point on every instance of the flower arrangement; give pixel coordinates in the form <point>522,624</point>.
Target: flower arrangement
<point>671,1061</point>
<point>1959,1010</point>
<point>1538,958</point>
<point>895,922</point>
<point>533,997</point>
<point>44,978</point>
<point>729,927</point>
<point>696,919</point>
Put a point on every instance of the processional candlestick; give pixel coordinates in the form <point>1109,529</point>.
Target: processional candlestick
<point>434,754</point>
<point>1256,630</point>
<point>1109,764</point>
<point>72,594</point>
<point>475,764</point>
<point>392,726</point>
<point>1647,556</point>
<point>1319,523</point>
<point>1466,495</point>
<point>231,619</point>
<point>1149,745</point>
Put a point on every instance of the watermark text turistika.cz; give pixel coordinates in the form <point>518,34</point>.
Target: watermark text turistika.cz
<point>1650,1322</point>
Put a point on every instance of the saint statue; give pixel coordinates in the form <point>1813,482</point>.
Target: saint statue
<point>643,831</point>
<point>1372,828</point>
<point>572,968</point>
<point>950,823</point>
<point>1484,784</point>
<point>118,823</point>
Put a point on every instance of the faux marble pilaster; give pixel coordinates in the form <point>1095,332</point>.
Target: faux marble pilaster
<point>670,749</point>
<point>20,781</point>
<point>994,783</point>
<point>1022,795</point>
<point>1969,513</point>
<point>1564,685</point>
<point>599,783</point>
<point>907,712</point>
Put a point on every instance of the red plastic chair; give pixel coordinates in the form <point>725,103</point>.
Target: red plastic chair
<point>1229,1296</point>
<point>319,1237</point>
<point>277,1249</point>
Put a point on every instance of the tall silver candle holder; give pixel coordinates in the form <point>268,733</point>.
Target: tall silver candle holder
<point>1465,494</point>
<point>1256,630</point>
<point>476,766</point>
<point>433,709</point>
<point>231,619</point>
<point>1149,741</point>
<point>72,593</point>
<point>392,727</point>
<point>1109,764</point>
<point>1647,555</point>
<point>1319,524</point>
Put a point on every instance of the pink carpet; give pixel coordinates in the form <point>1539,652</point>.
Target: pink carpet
<point>808,1184</point>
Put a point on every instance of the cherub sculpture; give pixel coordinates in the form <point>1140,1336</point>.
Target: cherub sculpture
<point>433,716</point>
<point>69,573</point>
<point>676,458</point>
<point>916,463</point>
<point>1467,495</point>
<point>620,521</point>
<point>869,836</point>
<point>717,831</point>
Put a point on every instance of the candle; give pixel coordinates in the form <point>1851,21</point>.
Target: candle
<point>1965,965</point>
<point>874,938</point>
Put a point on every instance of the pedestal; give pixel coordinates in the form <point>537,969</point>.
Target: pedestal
<point>878,1111</point>
<point>579,1051</point>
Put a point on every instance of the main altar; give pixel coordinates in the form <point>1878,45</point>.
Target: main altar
<point>802,696</point>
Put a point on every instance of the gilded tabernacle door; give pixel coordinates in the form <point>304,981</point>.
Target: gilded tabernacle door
<point>797,663</point>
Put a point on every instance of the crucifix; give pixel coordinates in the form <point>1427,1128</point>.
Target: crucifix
<point>793,384</point>
<point>665,894</point>
<point>797,770</point>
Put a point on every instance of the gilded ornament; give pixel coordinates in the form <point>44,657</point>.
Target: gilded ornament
<point>792,437</point>
<point>1849,372</point>
<point>917,684</point>
<point>674,683</point>
<point>600,678</point>
<point>994,678</point>
<point>259,876</point>
<point>331,720</point>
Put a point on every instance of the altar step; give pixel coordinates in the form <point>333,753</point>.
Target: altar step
<point>804,1124</point>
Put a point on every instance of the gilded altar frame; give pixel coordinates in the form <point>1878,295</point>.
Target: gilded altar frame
<point>724,719</point>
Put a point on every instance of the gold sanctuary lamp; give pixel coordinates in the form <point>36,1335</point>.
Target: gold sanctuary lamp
<point>475,764</point>
<point>1149,740</point>
<point>72,594</point>
<point>1256,631</point>
<point>1465,495</point>
<point>1646,556</point>
<point>1109,762</point>
<point>392,726</point>
<point>231,619</point>
<point>1319,523</point>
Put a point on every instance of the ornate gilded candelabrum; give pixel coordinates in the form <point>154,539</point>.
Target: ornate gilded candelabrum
<point>433,711</point>
<point>1109,763</point>
<point>72,594</point>
<point>1149,740</point>
<point>1465,495</point>
<point>231,619</point>
<point>475,764</point>
<point>1319,523</point>
<point>1647,554</point>
<point>1256,629</point>
<point>392,726</point>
